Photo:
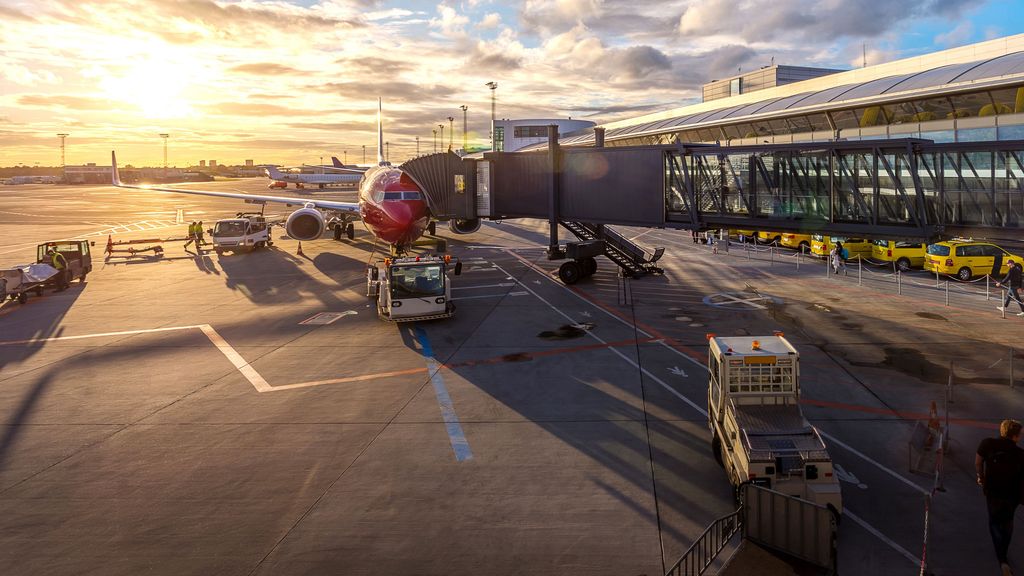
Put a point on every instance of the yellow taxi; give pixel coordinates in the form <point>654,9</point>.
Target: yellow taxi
<point>769,237</point>
<point>800,242</point>
<point>906,255</point>
<point>743,235</point>
<point>821,246</point>
<point>966,259</point>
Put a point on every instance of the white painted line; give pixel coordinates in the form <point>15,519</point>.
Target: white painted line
<point>629,360</point>
<point>501,285</point>
<point>902,551</point>
<point>877,464</point>
<point>235,358</point>
<point>100,335</point>
<point>502,295</point>
<point>325,318</point>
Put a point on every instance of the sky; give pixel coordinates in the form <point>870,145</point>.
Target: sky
<point>290,82</point>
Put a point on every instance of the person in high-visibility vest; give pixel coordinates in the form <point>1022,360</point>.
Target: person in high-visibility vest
<point>191,234</point>
<point>58,261</point>
<point>200,240</point>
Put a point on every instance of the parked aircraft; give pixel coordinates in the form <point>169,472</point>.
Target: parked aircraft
<point>391,205</point>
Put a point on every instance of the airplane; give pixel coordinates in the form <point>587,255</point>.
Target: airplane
<point>392,206</point>
<point>320,180</point>
<point>336,167</point>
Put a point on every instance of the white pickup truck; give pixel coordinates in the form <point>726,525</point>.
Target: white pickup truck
<point>243,233</point>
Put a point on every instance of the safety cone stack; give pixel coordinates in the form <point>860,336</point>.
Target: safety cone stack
<point>299,253</point>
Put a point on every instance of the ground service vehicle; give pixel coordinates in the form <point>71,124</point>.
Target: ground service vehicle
<point>966,258</point>
<point>906,255</point>
<point>757,428</point>
<point>277,184</point>
<point>412,288</point>
<point>244,232</point>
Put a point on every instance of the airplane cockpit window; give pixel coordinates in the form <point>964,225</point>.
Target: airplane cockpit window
<point>229,228</point>
<point>392,195</point>
<point>416,281</point>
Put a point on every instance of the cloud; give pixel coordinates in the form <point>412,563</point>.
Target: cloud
<point>265,69</point>
<point>825,20</point>
<point>255,109</point>
<point>64,101</point>
<point>957,36</point>
<point>12,14</point>
<point>391,90</point>
<point>375,64</point>
<point>21,75</point>
<point>451,23</point>
<point>492,20</point>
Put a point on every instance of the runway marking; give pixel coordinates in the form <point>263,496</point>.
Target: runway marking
<point>456,436</point>
<point>235,358</point>
<point>650,331</point>
<point>874,532</point>
<point>502,295</point>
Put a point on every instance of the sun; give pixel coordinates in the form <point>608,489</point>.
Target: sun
<point>157,89</point>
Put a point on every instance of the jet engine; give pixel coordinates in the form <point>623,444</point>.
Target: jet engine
<point>464,226</point>
<point>305,224</point>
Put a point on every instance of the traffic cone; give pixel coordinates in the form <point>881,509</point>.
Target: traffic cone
<point>299,253</point>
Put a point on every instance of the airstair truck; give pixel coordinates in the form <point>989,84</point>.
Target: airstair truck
<point>412,288</point>
<point>759,433</point>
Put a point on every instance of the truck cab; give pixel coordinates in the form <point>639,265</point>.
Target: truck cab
<point>413,288</point>
<point>244,232</point>
<point>758,431</point>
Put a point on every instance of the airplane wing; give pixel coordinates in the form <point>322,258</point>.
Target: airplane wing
<point>253,198</point>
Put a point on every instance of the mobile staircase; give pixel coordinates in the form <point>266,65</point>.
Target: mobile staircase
<point>598,239</point>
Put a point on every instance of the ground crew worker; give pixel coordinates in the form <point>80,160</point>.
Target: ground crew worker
<point>58,261</point>
<point>191,234</point>
<point>199,234</point>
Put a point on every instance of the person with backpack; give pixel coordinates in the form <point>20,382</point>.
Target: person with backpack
<point>1000,466</point>
<point>1012,283</point>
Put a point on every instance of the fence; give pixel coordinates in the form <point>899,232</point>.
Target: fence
<point>706,548</point>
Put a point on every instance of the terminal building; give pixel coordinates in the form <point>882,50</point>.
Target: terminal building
<point>967,94</point>
<point>514,135</point>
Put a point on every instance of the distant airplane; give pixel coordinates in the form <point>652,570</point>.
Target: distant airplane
<point>391,205</point>
<point>320,179</point>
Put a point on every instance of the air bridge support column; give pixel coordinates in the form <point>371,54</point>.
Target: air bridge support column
<point>555,160</point>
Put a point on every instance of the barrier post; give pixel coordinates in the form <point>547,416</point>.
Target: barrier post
<point>860,267</point>
<point>746,248</point>
<point>899,283</point>
<point>1002,309</point>
<point>799,256</point>
<point>1011,367</point>
<point>936,278</point>
<point>987,277</point>
<point>947,292</point>
<point>949,392</point>
<point>771,255</point>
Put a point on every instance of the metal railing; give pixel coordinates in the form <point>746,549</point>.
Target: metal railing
<point>707,547</point>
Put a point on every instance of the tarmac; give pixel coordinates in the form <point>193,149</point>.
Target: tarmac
<point>175,415</point>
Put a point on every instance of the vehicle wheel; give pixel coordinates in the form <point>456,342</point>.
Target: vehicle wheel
<point>337,231</point>
<point>350,231</point>
<point>432,228</point>
<point>964,274</point>
<point>804,247</point>
<point>22,298</point>
<point>82,277</point>
<point>589,266</point>
<point>903,265</point>
<point>716,449</point>
<point>570,273</point>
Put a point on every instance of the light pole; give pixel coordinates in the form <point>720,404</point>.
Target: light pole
<point>387,151</point>
<point>165,136</point>
<point>435,141</point>
<point>417,146</point>
<point>364,153</point>
<point>345,152</point>
<point>451,132</point>
<point>465,142</point>
<point>441,126</point>
<point>63,167</point>
<point>493,86</point>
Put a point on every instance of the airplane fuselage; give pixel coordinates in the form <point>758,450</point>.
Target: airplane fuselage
<point>392,206</point>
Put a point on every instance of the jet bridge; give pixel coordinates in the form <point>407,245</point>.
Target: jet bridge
<point>896,189</point>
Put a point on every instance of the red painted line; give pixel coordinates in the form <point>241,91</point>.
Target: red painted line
<point>903,415</point>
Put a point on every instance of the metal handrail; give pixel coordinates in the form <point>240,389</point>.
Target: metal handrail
<point>706,548</point>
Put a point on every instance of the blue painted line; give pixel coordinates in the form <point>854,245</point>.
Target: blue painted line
<point>451,420</point>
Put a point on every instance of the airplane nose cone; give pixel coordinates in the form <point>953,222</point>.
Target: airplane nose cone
<point>408,220</point>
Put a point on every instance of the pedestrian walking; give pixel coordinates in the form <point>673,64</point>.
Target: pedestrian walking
<point>836,258</point>
<point>1012,283</point>
<point>1000,466</point>
<point>191,234</point>
<point>696,236</point>
<point>200,238</point>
